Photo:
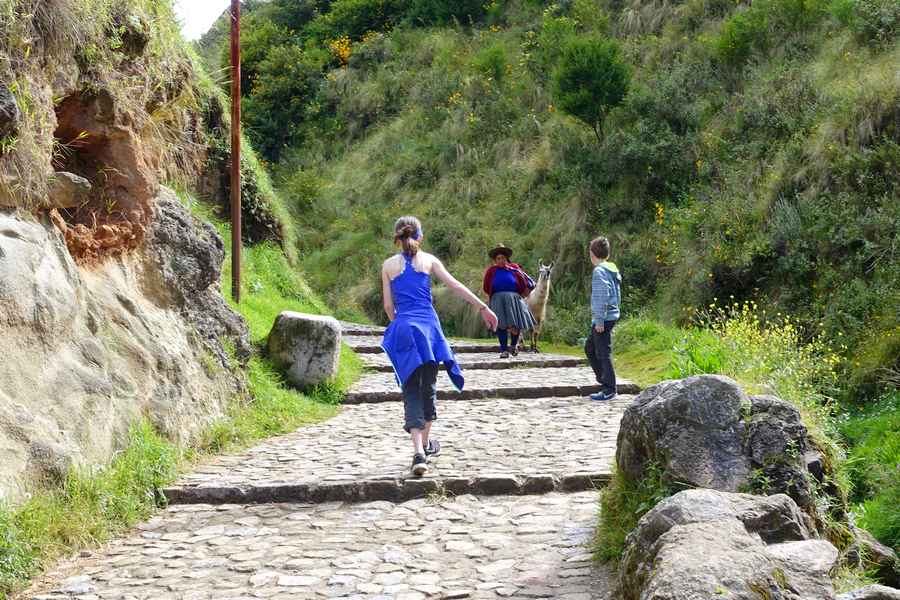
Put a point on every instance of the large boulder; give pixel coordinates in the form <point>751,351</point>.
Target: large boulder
<point>709,544</point>
<point>872,592</point>
<point>308,347</point>
<point>692,428</point>
<point>704,431</point>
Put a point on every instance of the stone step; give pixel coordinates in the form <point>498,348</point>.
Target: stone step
<point>359,330</point>
<point>380,362</point>
<point>439,547</point>
<point>372,345</point>
<point>484,383</point>
<point>497,446</point>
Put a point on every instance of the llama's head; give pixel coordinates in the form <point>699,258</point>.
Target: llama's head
<point>544,271</point>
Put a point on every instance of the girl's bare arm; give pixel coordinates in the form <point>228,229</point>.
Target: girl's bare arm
<point>387,295</point>
<point>444,276</point>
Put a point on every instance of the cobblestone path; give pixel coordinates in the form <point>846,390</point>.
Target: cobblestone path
<point>507,510</point>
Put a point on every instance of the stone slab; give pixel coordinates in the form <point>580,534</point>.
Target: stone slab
<point>371,344</point>
<point>473,360</point>
<point>484,383</point>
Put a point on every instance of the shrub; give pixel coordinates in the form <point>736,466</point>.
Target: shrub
<point>874,21</point>
<point>492,61</point>
<point>592,77</point>
<point>355,18</point>
<point>442,12</point>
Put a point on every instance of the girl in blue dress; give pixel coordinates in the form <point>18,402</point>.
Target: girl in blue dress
<point>414,340</point>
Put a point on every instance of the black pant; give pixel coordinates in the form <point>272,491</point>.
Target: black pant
<point>598,348</point>
<point>419,395</point>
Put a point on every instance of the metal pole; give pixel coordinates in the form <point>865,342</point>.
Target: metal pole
<point>236,150</point>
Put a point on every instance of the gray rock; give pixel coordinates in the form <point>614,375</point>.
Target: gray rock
<point>806,565</point>
<point>9,113</point>
<point>189,254</point>
<point>872,592</point>
<point>776,444</point>
<point>68,190</point>
<point>693,428</point>
<point>662,561</point>
<point>307,346</point>
<point>869,554</point>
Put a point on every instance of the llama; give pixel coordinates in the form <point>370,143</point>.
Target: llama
<point>537,302</point>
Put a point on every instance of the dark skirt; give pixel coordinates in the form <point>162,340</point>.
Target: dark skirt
<point>512,311</point>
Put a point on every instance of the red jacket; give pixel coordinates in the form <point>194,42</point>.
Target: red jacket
<point>521,281</point>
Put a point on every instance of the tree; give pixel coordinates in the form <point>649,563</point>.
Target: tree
<point>591,79</point>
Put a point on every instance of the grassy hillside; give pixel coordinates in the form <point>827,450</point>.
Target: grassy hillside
<point>754,154</point>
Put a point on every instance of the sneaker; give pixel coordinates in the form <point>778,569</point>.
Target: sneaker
<point>433,449</point>
<point>419,467</point>
<point>603,397</point>
<point>504,354</point>
<point>514,351</point>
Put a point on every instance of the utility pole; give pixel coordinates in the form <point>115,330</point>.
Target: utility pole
<point>236,150</point>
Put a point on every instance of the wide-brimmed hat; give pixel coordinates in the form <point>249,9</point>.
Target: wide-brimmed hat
<point>500,249</point>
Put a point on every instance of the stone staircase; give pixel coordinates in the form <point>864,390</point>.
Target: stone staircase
<point>329,511</point>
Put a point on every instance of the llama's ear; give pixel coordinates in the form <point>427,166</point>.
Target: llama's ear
<point>550,266</point>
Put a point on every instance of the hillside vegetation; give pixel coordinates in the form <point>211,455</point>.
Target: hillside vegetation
<point>753,155</point>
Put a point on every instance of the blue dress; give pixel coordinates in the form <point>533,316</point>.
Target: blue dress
<point>415,336</point>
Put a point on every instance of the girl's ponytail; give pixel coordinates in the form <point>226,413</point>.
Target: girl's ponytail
<point>408,231</point>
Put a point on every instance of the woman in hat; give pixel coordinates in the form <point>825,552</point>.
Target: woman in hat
<point>414,341</point>
<point>506,284</point>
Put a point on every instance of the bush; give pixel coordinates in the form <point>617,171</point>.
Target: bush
<point>591,78</point>
<point>492,61</point>
<point>444,12</point>
<point>355,18</point>
<point>874,21</point>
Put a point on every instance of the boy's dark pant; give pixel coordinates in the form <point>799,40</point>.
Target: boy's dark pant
<point>598,348</point>
<point>419,395</point>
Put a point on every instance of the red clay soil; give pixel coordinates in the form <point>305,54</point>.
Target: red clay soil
<point>98,142</point>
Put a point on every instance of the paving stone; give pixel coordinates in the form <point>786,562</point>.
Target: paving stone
<point>524,567</point>
<point>495,446</point>
<point>482,383</point>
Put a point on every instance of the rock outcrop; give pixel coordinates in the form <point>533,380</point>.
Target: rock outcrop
<point>90,351</point>
<point>308,347</point>
<point>707,544</point>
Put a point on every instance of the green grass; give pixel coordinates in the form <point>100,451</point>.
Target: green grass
<point>622,503</point>
<point>87,509</point>
<point>874,467</point>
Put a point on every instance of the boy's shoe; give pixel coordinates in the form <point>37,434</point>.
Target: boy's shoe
<point>419,466</point>
<point>433,449</point>
<point>504,354</point>
<point>603,397</point>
